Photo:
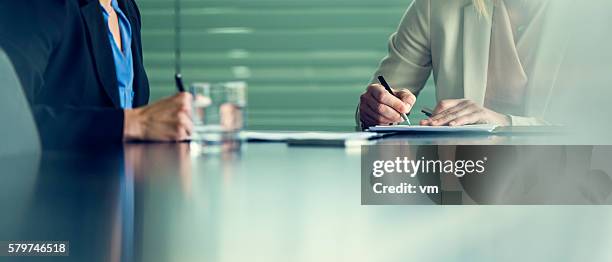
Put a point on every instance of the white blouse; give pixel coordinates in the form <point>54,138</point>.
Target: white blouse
<point>516,29</point>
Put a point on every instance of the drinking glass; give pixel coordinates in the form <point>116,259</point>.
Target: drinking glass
<point>218,110</point>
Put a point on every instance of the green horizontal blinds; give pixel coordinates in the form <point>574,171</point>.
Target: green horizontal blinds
<point>306,62</point>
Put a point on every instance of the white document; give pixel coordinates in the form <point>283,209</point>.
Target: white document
<point>290,135</point>
<point>441,129</point>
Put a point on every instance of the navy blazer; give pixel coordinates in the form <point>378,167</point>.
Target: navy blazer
<point>62,53</point>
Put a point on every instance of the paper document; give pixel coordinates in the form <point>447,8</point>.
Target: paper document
<point>445,129</point>
<point>282,136</point>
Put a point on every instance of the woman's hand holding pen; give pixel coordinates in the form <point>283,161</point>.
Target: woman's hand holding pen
<point>379,107</point>
<point>459,112</point>
<point>166,120</point>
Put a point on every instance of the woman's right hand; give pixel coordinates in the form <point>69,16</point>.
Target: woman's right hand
<point>378,107</point>
<point>168,119</point>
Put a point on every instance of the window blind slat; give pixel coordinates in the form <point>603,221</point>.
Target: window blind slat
<point>306,62</point>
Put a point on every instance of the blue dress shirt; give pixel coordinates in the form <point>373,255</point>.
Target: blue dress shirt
<point>124,64</point>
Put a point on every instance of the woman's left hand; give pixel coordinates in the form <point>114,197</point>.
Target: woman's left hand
<point>458,112</point>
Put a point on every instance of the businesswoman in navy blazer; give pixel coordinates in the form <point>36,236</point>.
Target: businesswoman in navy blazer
<point>80,63</point>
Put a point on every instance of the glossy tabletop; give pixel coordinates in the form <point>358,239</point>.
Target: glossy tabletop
<point>268,202</point>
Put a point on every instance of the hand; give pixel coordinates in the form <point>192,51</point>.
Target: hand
<point>458,112</point>
<point>231,117</point>
<point>166,120</point>
<point>378,107</point>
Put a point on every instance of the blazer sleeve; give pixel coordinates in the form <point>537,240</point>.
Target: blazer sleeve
<point>408,63</point>
<point>66,126</point>
<point>30,45</point>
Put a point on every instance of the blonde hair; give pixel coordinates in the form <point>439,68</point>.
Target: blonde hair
<point>481,6</point>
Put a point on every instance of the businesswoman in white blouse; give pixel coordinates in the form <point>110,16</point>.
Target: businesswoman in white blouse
<point>493,62</point>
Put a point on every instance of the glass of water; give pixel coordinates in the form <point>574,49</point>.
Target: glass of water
<point>218,110</point>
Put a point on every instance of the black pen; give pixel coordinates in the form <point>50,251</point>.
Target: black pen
<point>428,112</point>
<point>383,82</point>
<point>178,80</point>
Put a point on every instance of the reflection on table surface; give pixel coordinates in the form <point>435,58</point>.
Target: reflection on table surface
<point>264,202</point>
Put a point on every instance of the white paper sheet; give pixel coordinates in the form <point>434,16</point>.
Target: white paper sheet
<point>289,135</point>
<point>446,129</point>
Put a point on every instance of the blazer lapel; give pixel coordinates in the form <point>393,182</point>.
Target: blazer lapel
<point>476,43</point>
<point>101,50</point>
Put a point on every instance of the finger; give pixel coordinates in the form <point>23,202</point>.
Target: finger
<point>452,115</point>
<point>450,110</point>
<point>185,123</point>
<point>376,117</point>
<point>446,104</point>
<point>186,96</point>
<point>183,102</point>
<point>229,115</point>
<point>471,118</point>
<point>384,110</point>
<point>364,114</point>
<point>367,120</point>
<point>185,109</point>
<point>407,97</point>
<point>184,135</point>
<point>389,115</point>
<point>179,134</point>
<point>181,98</point>
<point>425,122</point>
<point>202,101</point>
<point>381,95</point>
